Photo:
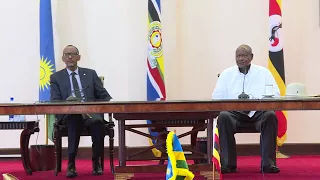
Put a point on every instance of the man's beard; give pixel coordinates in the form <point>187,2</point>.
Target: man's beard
<point>71,64</point>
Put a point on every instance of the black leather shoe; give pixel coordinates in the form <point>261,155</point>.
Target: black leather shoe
<point>227,169</point>
<point>97,169</point>
<point>71,171</point>
<point>270,169</point>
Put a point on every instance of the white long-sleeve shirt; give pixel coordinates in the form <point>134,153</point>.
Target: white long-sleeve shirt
<point>230,83</point>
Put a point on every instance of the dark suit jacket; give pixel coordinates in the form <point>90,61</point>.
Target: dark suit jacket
<point>91,83</point>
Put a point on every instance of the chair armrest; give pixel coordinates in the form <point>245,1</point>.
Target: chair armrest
<point>110,117</point>
<point>56,121</point>
<point>110,123</point>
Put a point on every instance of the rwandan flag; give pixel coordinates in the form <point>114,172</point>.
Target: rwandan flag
<point>276,62</point>
<point>155,77</point>
<point>47,62</point>
<point>177,168</point>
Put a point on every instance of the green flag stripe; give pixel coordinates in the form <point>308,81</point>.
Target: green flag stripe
<point>149,17</point>
<point>180,178</point>
<point>182,164</point>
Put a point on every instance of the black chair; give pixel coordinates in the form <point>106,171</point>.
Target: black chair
<point>61,130</point>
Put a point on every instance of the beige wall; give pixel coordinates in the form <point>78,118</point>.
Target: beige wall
<point>213,29</point>
<point>199,42</point>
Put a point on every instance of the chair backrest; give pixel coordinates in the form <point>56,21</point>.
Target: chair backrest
<point>295,89</point>
<point>109,114</point>
<point>102,80</point>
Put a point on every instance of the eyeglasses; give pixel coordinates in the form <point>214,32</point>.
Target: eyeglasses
<point>70,54</point>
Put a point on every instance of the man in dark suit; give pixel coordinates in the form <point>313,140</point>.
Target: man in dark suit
<point>85,85</point>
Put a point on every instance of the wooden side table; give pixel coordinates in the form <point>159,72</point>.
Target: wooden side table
<point>29,127</point>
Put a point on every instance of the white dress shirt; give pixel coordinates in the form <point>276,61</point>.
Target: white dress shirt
<point>231,83</point>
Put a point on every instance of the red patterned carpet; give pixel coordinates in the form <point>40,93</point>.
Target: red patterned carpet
<point>295,168</point>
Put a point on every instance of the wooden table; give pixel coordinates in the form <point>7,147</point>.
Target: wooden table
<point>310,103</point>
<point>163,107</point>
<point>29,127</point>
<point>197,120</point>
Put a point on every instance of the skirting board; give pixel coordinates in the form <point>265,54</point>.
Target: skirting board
<point>242,150</point>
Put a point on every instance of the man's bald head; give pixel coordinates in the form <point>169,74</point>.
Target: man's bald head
<point>71,57</point>
<point>245,47</point>
<point>244,56</point>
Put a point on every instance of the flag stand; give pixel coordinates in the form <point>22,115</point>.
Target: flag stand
<point>280,155</point>
<point>210,176</point>
<point>215,173</point>
<point>7,176</point>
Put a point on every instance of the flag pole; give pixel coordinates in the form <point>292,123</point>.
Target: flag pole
<point>46,129</point>
<point>213,171</point>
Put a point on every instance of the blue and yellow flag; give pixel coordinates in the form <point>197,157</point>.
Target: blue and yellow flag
<point>177,168</point>
<point>47,62</point>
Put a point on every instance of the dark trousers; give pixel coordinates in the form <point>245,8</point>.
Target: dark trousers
<point>76,124</point>
<point>264,122</point>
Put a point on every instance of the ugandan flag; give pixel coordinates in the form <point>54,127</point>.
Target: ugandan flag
<point>276,62</point>
<point>216,149</point>
<point>177,168</point>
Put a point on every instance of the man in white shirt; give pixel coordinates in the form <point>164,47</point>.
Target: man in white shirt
<point>243,81</point>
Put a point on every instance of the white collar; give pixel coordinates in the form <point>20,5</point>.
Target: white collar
<point>76,71</point>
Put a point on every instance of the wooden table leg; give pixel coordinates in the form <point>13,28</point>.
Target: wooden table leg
<point>122,152</point>
<point>111,148</point>
<point>193,141</point>
<point>209,140</point>
<point>122,143</point>
<point>24,147</point>
<point>57,150</point>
